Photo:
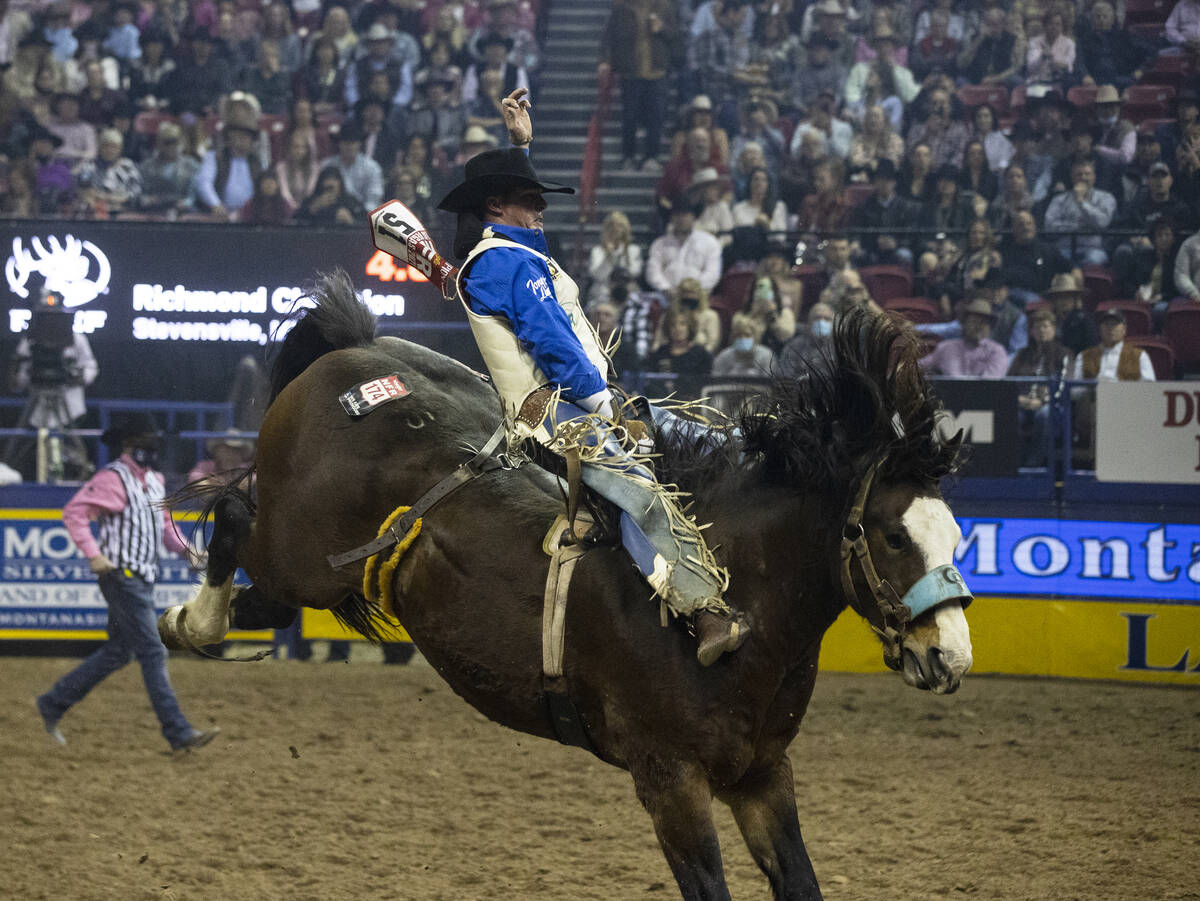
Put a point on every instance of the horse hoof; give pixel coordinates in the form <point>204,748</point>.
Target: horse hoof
<point>168,629</point>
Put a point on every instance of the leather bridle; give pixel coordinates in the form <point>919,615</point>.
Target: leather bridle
<point>938,586</point>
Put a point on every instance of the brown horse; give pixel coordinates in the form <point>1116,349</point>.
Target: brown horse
<point>470,589</point>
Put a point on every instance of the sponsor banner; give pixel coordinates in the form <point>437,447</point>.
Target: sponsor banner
<point>1127,641</point>
<point>986,410</point>
<point>1148,432</point>
<point>47,589</point>
<point>1158,562</point>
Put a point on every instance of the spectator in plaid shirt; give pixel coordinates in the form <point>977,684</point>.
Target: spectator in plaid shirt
<point>636,313</point>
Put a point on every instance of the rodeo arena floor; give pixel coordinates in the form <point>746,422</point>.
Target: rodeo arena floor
<point>360,781</point>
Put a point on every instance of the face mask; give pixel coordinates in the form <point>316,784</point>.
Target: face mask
<point>145,457</point>
<point>822,328</point>
<point>743,345</point>
<point>763,291</point>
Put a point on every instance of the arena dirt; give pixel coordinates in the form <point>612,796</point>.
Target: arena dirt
<point>363,781</point>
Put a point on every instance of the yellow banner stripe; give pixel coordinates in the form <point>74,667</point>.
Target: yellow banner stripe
<point>1128,641</point>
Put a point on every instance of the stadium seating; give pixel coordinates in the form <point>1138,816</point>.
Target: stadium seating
<point>856,194</point>
<point>147,122</point>
<point>978,94</point>
<point>884,282</point>
<point>1082,94</point>
<point>730,295</point>
<point>914,309</point>
<point>1099,285</point>
<point>1150,11</point>
<point>1137,315</point>
<point>814,279</point>
<point>1182,331</point>
<point>1148,101</point>
<point>1161,355</point>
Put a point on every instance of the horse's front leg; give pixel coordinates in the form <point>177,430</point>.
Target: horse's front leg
<point>204,619</point>
<point>679,801</point>
<point>764,805</point>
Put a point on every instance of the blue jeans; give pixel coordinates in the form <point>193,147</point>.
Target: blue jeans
<point>653,529</point>
<point>132,633</point>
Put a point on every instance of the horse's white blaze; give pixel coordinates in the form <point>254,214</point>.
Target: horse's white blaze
<point>935,534</point>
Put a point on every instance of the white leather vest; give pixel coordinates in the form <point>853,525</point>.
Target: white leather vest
<point>511,367</point>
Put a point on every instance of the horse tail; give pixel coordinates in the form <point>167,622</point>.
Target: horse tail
<point>339,320</point>
<point>207,495</point>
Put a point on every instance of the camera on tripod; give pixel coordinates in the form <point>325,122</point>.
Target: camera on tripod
<point>50,334</point>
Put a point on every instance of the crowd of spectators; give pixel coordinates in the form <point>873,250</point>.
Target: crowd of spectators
<point>252,111</point>
<point>995,158</point>
<point>973,144</point>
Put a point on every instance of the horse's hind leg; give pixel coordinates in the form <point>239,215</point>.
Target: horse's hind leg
<point>764,805</point>
<point>679,801</point>
<point>204,619</point>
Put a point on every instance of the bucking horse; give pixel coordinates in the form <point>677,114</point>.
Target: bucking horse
<point>823,494</point>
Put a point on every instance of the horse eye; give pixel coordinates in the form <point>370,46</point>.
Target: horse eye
<point>896,540</point>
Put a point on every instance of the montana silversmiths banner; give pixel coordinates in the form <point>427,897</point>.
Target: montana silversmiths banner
<point>47,589</point>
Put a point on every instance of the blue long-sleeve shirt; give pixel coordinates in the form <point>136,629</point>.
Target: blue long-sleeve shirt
<point>518,286</point>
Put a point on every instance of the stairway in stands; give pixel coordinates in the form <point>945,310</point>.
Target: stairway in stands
<point>561,112</point>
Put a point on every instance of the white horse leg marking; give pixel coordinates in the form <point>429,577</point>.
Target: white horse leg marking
<point>935,534</point>
<point>204,619</point>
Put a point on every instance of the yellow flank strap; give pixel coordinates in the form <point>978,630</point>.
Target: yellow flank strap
<point>377,573</point>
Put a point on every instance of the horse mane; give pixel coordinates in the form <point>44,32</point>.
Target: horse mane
<point>864,400</point>
<point>339,320</point>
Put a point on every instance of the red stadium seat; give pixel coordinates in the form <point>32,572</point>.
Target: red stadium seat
<point>1150,93</point>
<point>275,128</point>
<point>1152,30</point>
<point>1016,102</point>
<point>1082,94</point>
<point>1099,285</point>
<point>1137,316</point>
<point>914,309</point>
<point>978,94</point>
<point>1152,125</point>
<point>887,281</point>
<point>856,195</point>
<point>1173,77</point>
<point>814,279</point>
<point>1182,330</point>
<point>147,122</point>
<point>733,289</point>
<point>1161,355</point>
<point>1137,113</point>
<point>1153,11</point>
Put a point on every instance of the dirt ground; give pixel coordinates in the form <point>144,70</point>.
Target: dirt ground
<point>364,781</point>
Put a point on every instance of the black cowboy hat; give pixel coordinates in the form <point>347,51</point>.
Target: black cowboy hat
<point>128,426</point>
<point>492,172</point>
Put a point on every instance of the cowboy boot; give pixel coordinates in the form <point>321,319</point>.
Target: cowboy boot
<point>717,634</point>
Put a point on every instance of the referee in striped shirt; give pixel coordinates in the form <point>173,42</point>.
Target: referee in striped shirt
<point>125,500</point>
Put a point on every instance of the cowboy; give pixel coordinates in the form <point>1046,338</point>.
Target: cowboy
<point>550,370</point>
